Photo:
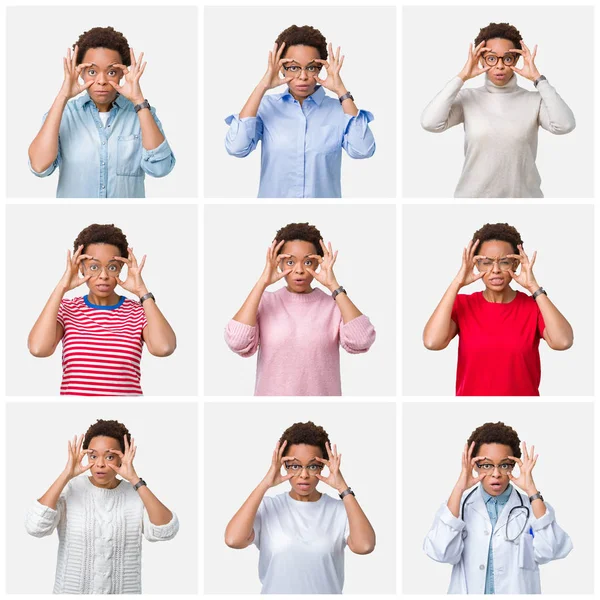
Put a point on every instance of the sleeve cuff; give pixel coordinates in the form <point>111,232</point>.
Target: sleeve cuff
<point>546,519</point>
<point>240,337</point>
<point>161,152</point>
<point>450,520</point>
<point>245,125</point>
<point>46,172</point>
<point>364,117</point>
<point>160,533</point>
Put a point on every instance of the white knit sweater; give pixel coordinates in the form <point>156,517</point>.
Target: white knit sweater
<point>501,134</point>
<point>100,533</point>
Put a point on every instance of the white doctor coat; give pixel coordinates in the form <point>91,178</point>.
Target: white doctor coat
<point>465,545</point>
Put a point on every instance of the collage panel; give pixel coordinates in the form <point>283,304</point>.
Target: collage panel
<point>103,486</point>
<point>499,502</point>
<point>287,531</point>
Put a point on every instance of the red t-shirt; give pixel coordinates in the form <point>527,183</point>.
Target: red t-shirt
<point>498,346</point>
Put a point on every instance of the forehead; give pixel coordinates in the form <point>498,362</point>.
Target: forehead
<point>302,54</point>
<point>496,452</point>
<point>298,248</point>
<point>101,443</point>
<point>102,57</point>
<point>499,45</point>
<point>102,252</point>
<point>303,452</point>
<point>495,248</point>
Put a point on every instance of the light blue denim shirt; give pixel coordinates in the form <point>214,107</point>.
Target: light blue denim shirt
<point>95,161</point>
<point>494,505</point>
<point>301,144</point>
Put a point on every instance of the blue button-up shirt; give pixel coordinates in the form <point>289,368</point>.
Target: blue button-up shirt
<point>95,161</point>
<point>301,144</point>
<point>494,505</point>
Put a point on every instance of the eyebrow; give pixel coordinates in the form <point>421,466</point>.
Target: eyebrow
<point>501,460</point>
<point>305,256</point>
<point>98,260</point>
<point>105,452</point>
<point>312,62</point>
<point>109,66</point>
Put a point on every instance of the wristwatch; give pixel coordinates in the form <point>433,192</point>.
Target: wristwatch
<point>340,290</point>
<point>536,497</point>
<point>538,292</point>
<point>144,104</point>
<point>139,484</point>
<point>540,78</point>
<point>146,296</point>
<point>346,96</point>
<point>346,493</point>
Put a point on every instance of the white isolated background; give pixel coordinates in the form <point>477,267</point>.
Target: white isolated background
<point>235,59</point>
<point>37,244</point>
<point>236,238</point>
<point>564,473</point>
<point>168,37</point>
<point>434,53</point>
<point>365,434</point>
<point>165,434</point>
<point>433,239</point>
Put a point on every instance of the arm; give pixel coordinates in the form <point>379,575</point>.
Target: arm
<point>47,330</point>
<point>240,533</point>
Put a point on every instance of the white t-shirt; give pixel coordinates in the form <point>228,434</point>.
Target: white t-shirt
<point>301,545</point>
<point>104,117</point>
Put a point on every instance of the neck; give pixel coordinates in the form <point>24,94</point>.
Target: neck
<point>289,289</point>
<point>110,301</point>
<point>109,485</point>
<point>313,497</point>
<point>502,297</point>
<point>103,107</point>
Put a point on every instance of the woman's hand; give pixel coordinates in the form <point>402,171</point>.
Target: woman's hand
<point>467,275</point>
<point>272,79</point>
<point>335,478</point>
<point>134,282</point>
<point>271,273</point>
<point>529,70</point>
<point>472,67</point>
<point>325,275</point>
<point>125,469</point>
<point>525,479</point>
<point>466,479</point>
<point>75,464</point>
<point>131,88</point>
<point>333,82</point>
<point>71,86</point>
<point>274,476</point>
<point>525,277</point>
<point>71,279</point>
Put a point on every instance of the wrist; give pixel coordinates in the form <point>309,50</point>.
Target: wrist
<point>333,286</point>
<point>463,76</point>
<point>535,76</point>
<point>137,100</point>
<point>341,91</point>
<point>531,491</point>
<point>342,487</point>
<point>141,291</point>
<point>533,287</point>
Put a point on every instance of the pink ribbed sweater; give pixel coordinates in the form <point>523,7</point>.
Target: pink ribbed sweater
<point>298,338</point>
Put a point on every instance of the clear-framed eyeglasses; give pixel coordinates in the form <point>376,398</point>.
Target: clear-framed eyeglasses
<point>296,70</point>
<point>487,264</point>
<point>94,268</point>
<point>296,468</point>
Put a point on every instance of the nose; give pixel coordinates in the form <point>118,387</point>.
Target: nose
<point>100,462</point>
<point>304,473</point>
<point>101,78</point>
<point>299,268</point>
<point>496,267</point>
<point>303,74</point>
<point>103,273</point>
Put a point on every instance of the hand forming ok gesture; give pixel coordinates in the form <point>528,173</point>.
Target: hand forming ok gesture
<point>271,274</point>
<point>271,79</point>
<point>75,466</point>
<point>325,275</point>
<point>71,86</point>
<point>125,469</point>
<point>467,275</point>
<point>473,67</point>
<point>466,479</point>
<point>274,476</point>
<point>131,88</point>
<point>525,479</point>
<point>525,277</point>
<point>71,279</point>
<point>134,282</point>
<point>333,81</point>
<point>335,478</point>
<point>528,70</point>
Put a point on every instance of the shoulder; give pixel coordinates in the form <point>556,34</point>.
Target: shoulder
<point>72,302</point>
<point>526,300</point>
<point>273,503</point>
<point>468,299</point>
<point>132,306</point>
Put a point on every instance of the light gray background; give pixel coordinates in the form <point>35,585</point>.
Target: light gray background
<point>432,250</point>
<point>562,434</point>
<point>36,453</point>
<point>235,59</point>
<point>368,453</point>
<point>433,53</point>
<point>37,243</point>
<point>236,238</point>
<point>168,80</point>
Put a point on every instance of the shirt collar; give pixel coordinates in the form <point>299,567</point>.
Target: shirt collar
<point>502,499</point>
<point>509,88</point>
<point>120,101</point>
<point>317,96</point>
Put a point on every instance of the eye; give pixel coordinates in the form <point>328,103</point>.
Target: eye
<point>91,72</point>
<point>289,262</point>
<point>112,73</point>
<point>294,467</point>
<point>308,263</point>
<point>313,68</point>
<point>486,467</point>
<point>313,467</point>
<point>93,267</point>
<point>292,68</point>
<point>110,456</point>
<point>92,456</point>
<point>112,268</point>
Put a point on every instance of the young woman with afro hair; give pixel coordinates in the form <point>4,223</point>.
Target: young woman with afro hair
<point>501,119</point>
<point>301,535</point>
<point>494,535</point>
<point>100,518</point>
<point>302,129</point>
<point>499,329</point>
<point>102,333</point>
<point>297,330</point>
<point>105,141</point>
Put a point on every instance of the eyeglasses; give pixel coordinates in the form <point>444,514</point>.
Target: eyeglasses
<point>508,59</point>
<point>489,467</point>
<point>486,264</point>
<point>95,268</point>
<point>296,70</point>
<point>296,469</point>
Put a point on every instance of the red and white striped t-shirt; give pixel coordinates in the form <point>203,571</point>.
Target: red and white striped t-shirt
<point>102,347</point>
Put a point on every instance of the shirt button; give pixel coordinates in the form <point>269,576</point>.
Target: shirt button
<point>102,163</point>
<point>102,186</point>
<point>481,567</point>
<point>104,143</point>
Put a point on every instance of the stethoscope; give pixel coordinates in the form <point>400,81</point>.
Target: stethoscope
<point>522,509</point>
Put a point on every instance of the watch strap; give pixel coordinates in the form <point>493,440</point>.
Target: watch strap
<point>346,493</point>
<point>139,484</point>
<point>338,292</point>
<point>538,292</point>
<point>146,297</point>
<point>536,497</point>
<point>346,96</point>
<point>540,78</point>
<point>141,105</point>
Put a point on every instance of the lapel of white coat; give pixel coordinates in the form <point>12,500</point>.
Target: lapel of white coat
<point>513,500</point>
<point>476,503</point>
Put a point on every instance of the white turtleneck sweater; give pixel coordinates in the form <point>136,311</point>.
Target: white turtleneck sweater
<point>100,537</point>
<point>501,134</point>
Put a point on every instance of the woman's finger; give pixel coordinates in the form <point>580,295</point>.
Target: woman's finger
<point>517,460</point>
